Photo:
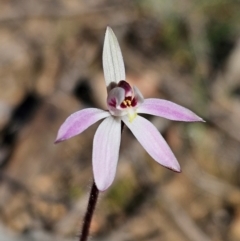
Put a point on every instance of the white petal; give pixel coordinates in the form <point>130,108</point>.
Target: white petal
<point>106,146</point>
<point>153,142</point>
<point>113,65</point>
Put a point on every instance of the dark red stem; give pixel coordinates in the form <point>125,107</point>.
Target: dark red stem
<point>90,209</point>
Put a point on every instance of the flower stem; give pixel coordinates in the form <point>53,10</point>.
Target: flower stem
<point>89,213</point>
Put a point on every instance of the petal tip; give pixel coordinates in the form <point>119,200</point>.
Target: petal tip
<point>58,139</point>
<point>101,187</point>
<point>194,118</point>
<point>177,170</point>
<point>198,119</point>
<point>108,29</point>
<point>109,34</point>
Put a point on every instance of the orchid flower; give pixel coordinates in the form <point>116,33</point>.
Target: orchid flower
<point>124,104</point>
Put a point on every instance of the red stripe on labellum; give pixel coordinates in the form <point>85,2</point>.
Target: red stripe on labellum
<point>127,87</point>
<point>134,102</point>
<point>112,102</point>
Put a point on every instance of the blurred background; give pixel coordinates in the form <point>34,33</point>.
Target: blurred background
<point>186,51</point>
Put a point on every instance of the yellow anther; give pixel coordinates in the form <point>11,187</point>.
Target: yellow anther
<point>125,102</point>
<point>128,102</point>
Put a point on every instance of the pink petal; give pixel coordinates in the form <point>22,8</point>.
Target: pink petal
<point>106,146</point>
<point>168,110</point>
<point>152,141</point>
<point>78,122</point>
